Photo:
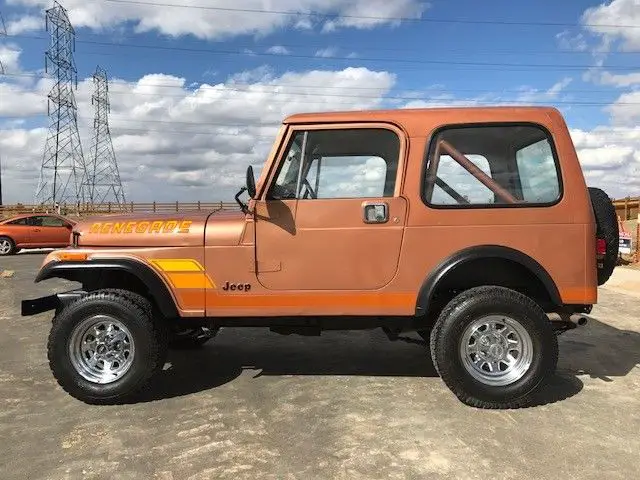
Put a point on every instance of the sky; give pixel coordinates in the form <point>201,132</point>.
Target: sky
<point>198,88</point>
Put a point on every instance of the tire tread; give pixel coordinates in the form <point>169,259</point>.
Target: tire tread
<point>487,293</point>
<point>132,302</point>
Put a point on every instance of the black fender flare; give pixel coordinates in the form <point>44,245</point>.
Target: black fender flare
<point>75,270</point>
<point>432,280</point>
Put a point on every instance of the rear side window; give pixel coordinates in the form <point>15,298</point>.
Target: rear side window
<point>491,165</point>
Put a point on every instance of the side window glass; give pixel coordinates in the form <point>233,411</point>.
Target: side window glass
<point>20,221</point>
<point>347,177</point>
<point>491,166</point>
<point>538,173</point>
<point>453,175</point>
<point>339,163</point>
<point>51,222</point>
<point>286,181</point>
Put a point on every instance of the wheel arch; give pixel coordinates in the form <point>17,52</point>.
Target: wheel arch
<point>458,268</point>
<point>121,272</point>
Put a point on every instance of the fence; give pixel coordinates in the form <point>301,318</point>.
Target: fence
<point>83,210</point>
<point>627,208</point>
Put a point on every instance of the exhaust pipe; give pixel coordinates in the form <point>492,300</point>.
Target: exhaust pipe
<point>565,321</point>
<point>578,319</point>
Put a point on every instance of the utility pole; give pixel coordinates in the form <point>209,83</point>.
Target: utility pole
<point>62,161</point>
<point>103,184</point>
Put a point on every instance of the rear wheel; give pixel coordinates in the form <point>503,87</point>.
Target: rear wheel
<point>105,347</point>
<point>7,246</point>
<point>493,347</point>
<point>607,231</point>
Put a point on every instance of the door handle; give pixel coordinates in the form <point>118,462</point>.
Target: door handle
<point>36,229</point>
<point>375,212</point>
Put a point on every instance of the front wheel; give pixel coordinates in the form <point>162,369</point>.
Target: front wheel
<point>105,347</point>
<point>493,347</point>
<point>7,246</point>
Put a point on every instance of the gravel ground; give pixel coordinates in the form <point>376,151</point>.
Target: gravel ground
<point>346,405</point>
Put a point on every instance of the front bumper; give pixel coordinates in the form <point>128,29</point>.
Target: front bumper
<point>50,302</point>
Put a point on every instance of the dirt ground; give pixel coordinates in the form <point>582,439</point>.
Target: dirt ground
<point>252,404</point>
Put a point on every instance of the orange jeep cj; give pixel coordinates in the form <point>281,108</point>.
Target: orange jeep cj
<point>473,227</point>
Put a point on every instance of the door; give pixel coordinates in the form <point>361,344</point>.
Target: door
<point>18,230</point>
<point>332,217</point>
<point>48,230</point>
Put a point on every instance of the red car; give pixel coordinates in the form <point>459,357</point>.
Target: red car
<point>40,230</point>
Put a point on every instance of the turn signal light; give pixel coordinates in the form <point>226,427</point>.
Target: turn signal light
<point>71,256</point>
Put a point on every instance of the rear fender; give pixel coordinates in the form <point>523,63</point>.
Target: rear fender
<point>498,252</point>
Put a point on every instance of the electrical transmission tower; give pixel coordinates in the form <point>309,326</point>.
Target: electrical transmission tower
<point>103,184</point>
<point>3,33</point>
<point>63,169</point>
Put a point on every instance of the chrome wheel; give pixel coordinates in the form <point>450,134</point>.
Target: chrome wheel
<point>496,350</point>
<point>101,349</point>
<point>5,246</point>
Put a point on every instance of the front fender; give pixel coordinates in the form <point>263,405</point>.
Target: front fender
<point>90,269</point>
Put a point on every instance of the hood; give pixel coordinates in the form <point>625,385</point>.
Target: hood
<point>180,229</point>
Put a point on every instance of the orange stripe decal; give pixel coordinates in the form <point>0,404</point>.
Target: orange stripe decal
<point>586,295</point>
<point>190,280</point>
<point>365,299</point>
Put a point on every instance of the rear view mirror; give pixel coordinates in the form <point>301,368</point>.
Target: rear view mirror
<point>251,182</point>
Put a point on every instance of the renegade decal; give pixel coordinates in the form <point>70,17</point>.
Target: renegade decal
<point>161,226</point>
<point>184,273</point>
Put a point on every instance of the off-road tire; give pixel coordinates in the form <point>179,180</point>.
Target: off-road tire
<point>149,336</point>
<point>606,229</point>
<point>12,246</point>
<point>462,311</point>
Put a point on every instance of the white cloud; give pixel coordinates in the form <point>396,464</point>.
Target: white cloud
<point>610,158</point>
<point>278,50</point>
<point>176,141</point>
<point>373,13</point>
<point>26,23</point>
<point>215,24</point>
<point>566,41</point>
<point>10,57</point>
<point>524,95</point>
<point>617,80</point>
<point>327,52</point>
<point>626,109</point>
<point>618,20</point>
<point>536,95</point>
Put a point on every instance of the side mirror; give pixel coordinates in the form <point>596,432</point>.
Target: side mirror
<point>251,182</point>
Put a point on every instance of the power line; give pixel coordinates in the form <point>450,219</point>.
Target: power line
<point>370,17</point>
<point>475,65</point>
<point>325,47</point>
<point>226,89</point>
<point>214,87</point>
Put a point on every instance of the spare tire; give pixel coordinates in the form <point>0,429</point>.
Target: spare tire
<point>607,231</point>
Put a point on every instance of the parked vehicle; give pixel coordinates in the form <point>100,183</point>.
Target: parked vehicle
<point>471,226</point>
<point>40,230</point>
